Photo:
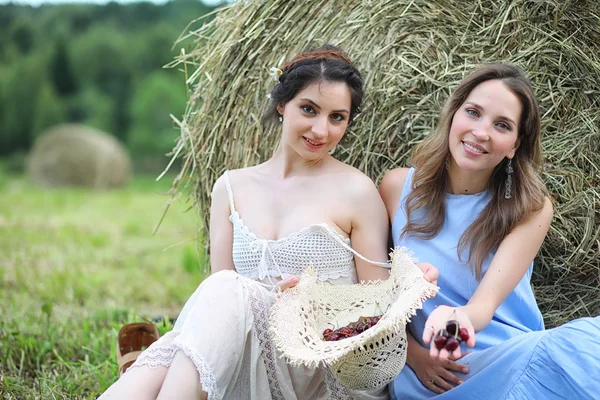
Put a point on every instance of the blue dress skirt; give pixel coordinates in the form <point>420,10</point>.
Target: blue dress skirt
<point>559,363</point>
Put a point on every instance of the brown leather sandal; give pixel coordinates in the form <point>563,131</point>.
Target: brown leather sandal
<point>132,340</point>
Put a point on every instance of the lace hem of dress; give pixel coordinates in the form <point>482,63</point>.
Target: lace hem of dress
<point>207,377</point>
<point>155,356</point>
<point>162,356</point>
<point>261,329</point>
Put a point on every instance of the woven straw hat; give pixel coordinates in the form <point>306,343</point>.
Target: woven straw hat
<point>370,359</point>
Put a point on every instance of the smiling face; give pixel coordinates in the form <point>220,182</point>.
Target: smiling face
<point>484,129</point>
<point>315,120</point>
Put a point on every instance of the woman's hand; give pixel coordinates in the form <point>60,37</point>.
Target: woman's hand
<point>288,282</point>
<point>437,375</point>
<point>437,321</point>
<point>430,272</point>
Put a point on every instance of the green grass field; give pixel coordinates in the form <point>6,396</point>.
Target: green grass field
<point>76,264</point>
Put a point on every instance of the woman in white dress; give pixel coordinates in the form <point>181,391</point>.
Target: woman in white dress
<point>268,223</point>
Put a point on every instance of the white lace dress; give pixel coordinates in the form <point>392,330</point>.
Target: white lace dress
<point>223,326</point>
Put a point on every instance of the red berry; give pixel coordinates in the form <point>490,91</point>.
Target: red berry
<point>360,327</point>
<point>334,337</point>
<point>346,331</point>
<point>327,334</point>
<point>452,327</point>
<point>374,320</point>
<point>439,341</point>
<point>451,344</point>
<point>463,334</point>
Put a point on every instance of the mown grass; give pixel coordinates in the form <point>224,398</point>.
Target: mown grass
<point>76,264</point>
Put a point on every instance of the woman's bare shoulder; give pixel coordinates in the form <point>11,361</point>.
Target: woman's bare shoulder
<point>240,173</point>
<point>354,182</point>
<point>240,176</point>
<point>394,179</point>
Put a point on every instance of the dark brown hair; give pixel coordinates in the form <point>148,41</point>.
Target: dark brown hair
<point>327,63</point>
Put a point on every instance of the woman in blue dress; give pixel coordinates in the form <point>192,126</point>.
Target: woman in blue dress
<point>475,206</point>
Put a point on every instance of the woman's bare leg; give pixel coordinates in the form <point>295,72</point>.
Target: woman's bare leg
<point>182,381</point>
<point>141,382</point>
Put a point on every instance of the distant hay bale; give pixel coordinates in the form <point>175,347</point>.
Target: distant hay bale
<point>77,155</point>
<point>412,54</point>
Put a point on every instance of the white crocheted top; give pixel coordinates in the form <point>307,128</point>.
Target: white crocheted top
<point>317,246</point>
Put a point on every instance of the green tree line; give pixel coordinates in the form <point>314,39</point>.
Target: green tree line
<point>100,65</point>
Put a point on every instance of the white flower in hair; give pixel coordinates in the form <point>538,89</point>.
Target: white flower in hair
<point>276,73</point>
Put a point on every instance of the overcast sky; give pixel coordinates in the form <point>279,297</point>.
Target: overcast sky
<point>38,2</point>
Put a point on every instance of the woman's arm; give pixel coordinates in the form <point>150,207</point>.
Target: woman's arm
<point>370,226</point>
<point>369,233</point>
<point>221,229</point>
<point>390,189</point>
<point>370,230</point>
<point>510,263</point>
<point>513,257</point>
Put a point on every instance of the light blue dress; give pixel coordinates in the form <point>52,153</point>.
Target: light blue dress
<point>514,357</point>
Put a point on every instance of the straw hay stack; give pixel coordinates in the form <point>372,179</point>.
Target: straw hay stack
<point>77,155</point>
<point>412,54</point>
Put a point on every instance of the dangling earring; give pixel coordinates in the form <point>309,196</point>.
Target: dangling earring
<point>509,171</point>
<point>281,118</point>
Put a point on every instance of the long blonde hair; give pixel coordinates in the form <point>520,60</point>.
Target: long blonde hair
<point>500,215</point>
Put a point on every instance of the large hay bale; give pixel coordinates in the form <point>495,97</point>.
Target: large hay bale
<point>77,155</point>
<point>412,54</point>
